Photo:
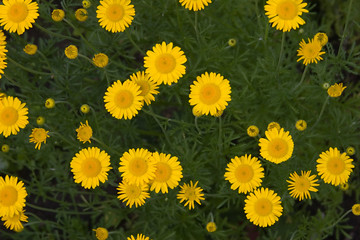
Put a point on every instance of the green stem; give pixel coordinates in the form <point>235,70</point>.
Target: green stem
<point>281,50</point>
<point>27,69</point>
<point>266,32</point>
<point>160,125</point>
<point>196,26</point>
<point>220,135</point>
<point>321,112</point>
<point>151,113</point>
<point>55,34</point>
<point>341,218</point>
<point>134,43</point>
<point>56,210</point>
<point>346,25</point>
<point>196,126</point>
<point>105,146</point>
<point>302,77</point>
<point>11,80</point>
<point>81,36</point>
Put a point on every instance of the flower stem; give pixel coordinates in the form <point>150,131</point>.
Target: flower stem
<point>281,51</point>
<point>160,125</point>
<point>105,146</point>
<point>346,25</point>
<point>55,34</point>
<point>302,77</point>
<point>196,126</point>
<point>134,43</point>
<point>340,218</point>
<point>81,36</point>
<point>27,69</point>
<point>321,112</point>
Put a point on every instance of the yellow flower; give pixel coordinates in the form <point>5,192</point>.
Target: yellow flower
<point>147,86</point>
<point>168,172</point>
<point>2,95</point>
<point>322,38</point>
<point>40,120</point>
<point>196,113</point>
<point>195,5</point>
<point>30,49</point>
<point>5,148</point>
<point>90,166</point>
<point>244,173</point>
<point>344,186</point>
<point>18,15</point>
<point>133,193</point>
<point>57,15</point>
<point>50,103</point>
<point>273,125</point>
<point>165,63</point>
<point>219,113</point>
<point>115,15</point>
<point>190,193</point>
<point>81,14</point>
<point>123,100</point>
<point>86,3</point>
<point>14,222</point>
<point>12,196</point>
<point>138,237</point>
<point>71,52</point>
<point>263,207</point>
<point>84,132</point>
<point>3,64</point>
<point>232,42</point>
<point>336,90</point>
<point>211,227</point>
<point>301,125</point>
<point>210,93</point>
<point>309,52</point>
<point>300,186</point>
<point>334,167</point>
<point>101,233</point>
<point>350,150</point>
<point>100,60</point>
<point>285,14</point>
<point>3,49</point>
<point>277,147</point>
<point>252,131</point>
<point>38,136</point>
<point>13,116</point>
<point>85,108</point>
<point>356,209</point>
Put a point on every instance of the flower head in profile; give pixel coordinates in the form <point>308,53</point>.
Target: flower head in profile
<point>336,90</point>
<point>18,15</point>
<point>285,14</point>
<point>12,196</point>
<point>85,108</point>
<point>190,193</point>
<point>100,60</point>
<point>322,38</point>
<point>138,237</point>
<point>356,209</point>
<point>211,227</point>
<point>30,49</point>
<point>301,125</point>
<point>81,14</point>
<point>101,233</point>
<point>350,150</point>
<point>5,148</point>
<point>310,52</point>
<point>38,136</point>
<point>71,52</point>
<point>13,116</point>
<point>57,15</point>
<point>14,222</point>
<point>50,103</point>
<point>40,120</point>
<point>344,186</point>
<point>165,63</point>
<point>84,132</point>
<point>210,93</point>
<point>334,167</point>
<point>86,3</point>
<point>133,193</point>
<point>115,15</point>
<point>195,5</point>
<point>252,131</point>
<point>147,86</point>
<point>273,125</point>
<point>300,186</point>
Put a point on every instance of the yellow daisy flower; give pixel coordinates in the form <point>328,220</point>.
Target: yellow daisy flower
<point>137,167</point>
<point>301,125</point>
<point>252,131</point>
<point>84,132</point>
<point>3,49</point>
<point>3,65</point>
<point>138,237</point>
<point>13,116</point>
<point>336,90</point>
<point>210,93</point>
<point>244,173</point>
<point>334,167</point>
<point>81,14</point>
<point>50,103</point>
<point>85,108</point>
<point>90,166</point>
<point>18,15</point>
<point>133,193</point>
<point>211,227</point>
<point>14,222</point>
<point>273,125</point>
<point>57,15</point>
<point>168,172</point>
<point>195,5</point>
<point>30,49</point>
<point>100,60</point>
<point>322,38</point>
<point>12,196</point>
<point>277,147</point>
<point>123,100</point>
<point>263,207</point>
<point>71,52</point>
<point>190,193</point>
<point>101,233</point>
<point>165,63</point>
<point>196,113</point>
<point>350,151</point>
<point>344,186</point>
<point>86,3</point>
<point>38,136</point>
<point>115,15</point>
<point>147,86</point>
<point>356,209</point>
<point>285,14</point>
<point>300,186</point>
<point>232,42</point>
<point>309,52</point>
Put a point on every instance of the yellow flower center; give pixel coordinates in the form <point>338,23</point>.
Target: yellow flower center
<point>263,207</point>
<point>210,93</point>
<point>115,12</point>
<point>124,99</point>
<point>8,196</point>
<point>287,10</point>
<point>278,148</point>
<point>336,166</point>
<point>9,116</point>
<point>244,173</point>
<point>18,12</point>
<point>165,63</point>
<point>163,172</point>
<point>311,50</point>
<point>190,194</point>
<point>85,133</point>
<point>144,87</point>
<point>302,184</point>
<point>91,167</point>
<point>138,166</point>
<point>132,191</point>
<point>39,135</point>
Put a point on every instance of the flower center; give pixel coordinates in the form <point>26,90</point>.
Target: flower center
<point>263,207</point>
<point>133,191</point>
<point>335,166</point>
<point>18,12</point>
<point>165,63</point>
<point>278,148</point>
<point>85,133</point>
<point>8,196</point>
<point>115,12</point>
<point>190,193</point>
<point>9,116</point>
<point>144,87</point>
<point>287,10</point>
<point>91,167</point>
<point>302,184</point>
<point>124,99</point>
<point>138,166</point>
<point>210,93</point>
<point>244,173</point>
<point>163,172</point>
<point>39,135</point>
<point>312,50</point>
